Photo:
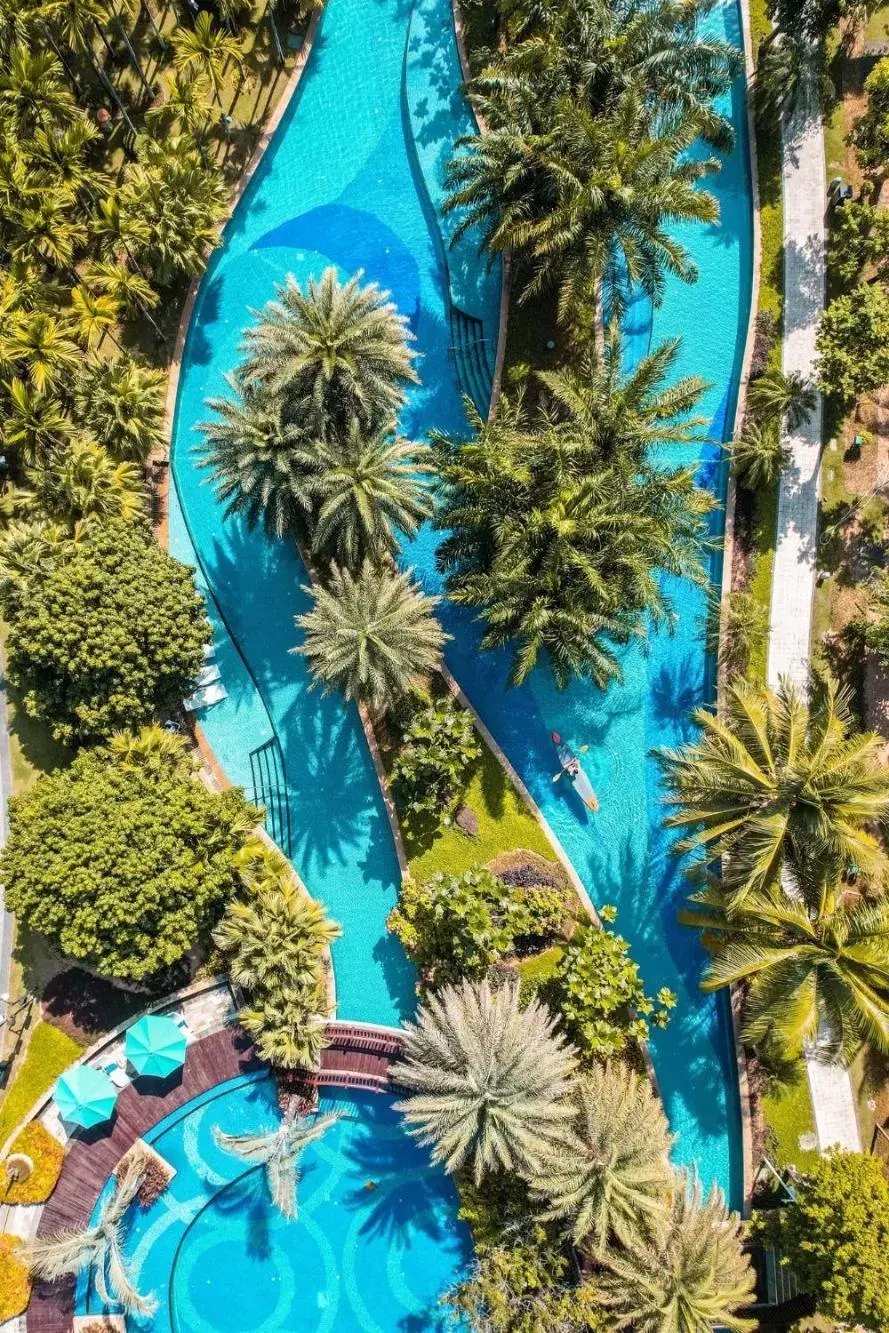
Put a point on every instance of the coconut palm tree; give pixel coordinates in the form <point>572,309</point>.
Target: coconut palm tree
<point>41,347</point>
<point>34,423</point>
<point>372,635</point>
<point>368,491</point>
<point>782,397</point>
<point>774,778</point>
<point>759,454</point>
<point>84,484</point>
<point>613,1179</point>
<point>119,232</point>
<point>336,353</point>
<point>33,94</point>
<point>261,466</point>
<point>279,1151</point>
<point>558,548</point>
<point>207,50</point>
<point>814,957</point>
<point>688,1277</point>
<point>98,1246</point>
<point>488,1079</point>
<point>121,403</point>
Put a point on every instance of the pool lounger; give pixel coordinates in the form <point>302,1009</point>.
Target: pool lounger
<point>207,675</point>
<point>211,694</point>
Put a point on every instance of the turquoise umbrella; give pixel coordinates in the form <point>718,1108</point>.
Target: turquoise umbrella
<point>85,1096</point>
<point>155,1045</point>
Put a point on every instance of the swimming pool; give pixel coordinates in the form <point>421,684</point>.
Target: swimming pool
<point>375,1243</point>
<point>354,177</point>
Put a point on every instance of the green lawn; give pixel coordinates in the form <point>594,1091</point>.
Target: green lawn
<point>49,1053</point>
<point>788,1114</point>
<point>504,824</point>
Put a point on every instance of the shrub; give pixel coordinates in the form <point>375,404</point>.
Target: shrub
<point>525,1287</point>
<point>123,862</point>
<point>764,340</point>
<point>109,636</point>
<point>870,133</point>
<point>455,926</point>
<point>853,343</point>
<point>439,746</point>
<point>15,1283</point>
<point>47,1154</point>
<point>601,996</point>
<point>836,1238</point>
<point>859,238</point>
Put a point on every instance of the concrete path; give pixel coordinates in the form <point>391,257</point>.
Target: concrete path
<point>793,580</point>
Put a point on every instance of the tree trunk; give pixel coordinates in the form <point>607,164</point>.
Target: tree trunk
<point>110,88</point>
<point>270,13</point>
<point>146,9</point>
<point>134,60</point>
<point>57,51</point>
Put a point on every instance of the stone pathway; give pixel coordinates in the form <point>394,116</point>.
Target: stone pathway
<point>793,580</point>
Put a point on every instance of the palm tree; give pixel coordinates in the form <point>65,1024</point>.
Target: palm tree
<point>43,230</point>
<point>207,50</point>
<point>488,1079</point>
<point>41,346</point>
<point>130,290</point>
<point>814,957</point>
<point>173,201</point>
<point>28,552</point>
<point>777,396</point>
<point>92,316</point>
<point>153,747</point>
<point>737,629</point>
<point>372,635</point>
<point>558,548</point>
<point>613,1179</point>
<point>279,1151</point>
<point>337,352</point>
<point>369,490</point>
<point>62,154</point>
<point>34,422</point>
<point>100,1247</point>
<point>84,484</point>
<point>121,403</point>
<point>185,105</point>
<point>260,466</point>
<point>119,231</point>
<point>774,778</point>
<point>33,94</point>
<point>760,455</point>
<point>688,1277</point>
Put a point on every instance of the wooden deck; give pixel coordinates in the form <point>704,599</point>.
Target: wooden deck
<point>355,1058</point>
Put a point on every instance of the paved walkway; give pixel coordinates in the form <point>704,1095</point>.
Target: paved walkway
<point>793,581</point>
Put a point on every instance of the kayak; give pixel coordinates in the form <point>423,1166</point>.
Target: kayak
<point>571,769</point>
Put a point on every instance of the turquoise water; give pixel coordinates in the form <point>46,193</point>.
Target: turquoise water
<point>354,178</point>
<point>219,1259</point>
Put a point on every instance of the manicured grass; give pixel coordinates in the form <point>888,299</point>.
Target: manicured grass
<point>788,1114</point>
<point>504,824</point>
<point>47,1155</point>
<point>15,1285</point>
<point>49,1053</point>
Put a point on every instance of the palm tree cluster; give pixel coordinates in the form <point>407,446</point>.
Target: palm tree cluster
<point>494,1088</point>
<point>308,447</point>
<point>788,798</point>
<point>561,521</point>
<point>276,939</point>
<point>584,171</point>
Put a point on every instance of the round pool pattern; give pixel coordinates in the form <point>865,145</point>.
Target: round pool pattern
<point>375,1244</point>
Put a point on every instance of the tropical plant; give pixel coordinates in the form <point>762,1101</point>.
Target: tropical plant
<point>276,939</point>
<point>455,926</point>
<point>686,1277</point>
<point>737,630</point>
<point>859,241</point>
<point>870,132</point>
<point>121,403</point>
<point>35,422</point>
<point>207,50</point>
<point>334,353</point>
<point>98,1247</point>
<point>369,491</point>
<point>171,205</point>
<point>111,635</point>
<point>760,455</point>
<point>185,106</point>
<point>774,778</point>
<point>372,635</point>
<point>153,747</point>
<point>40,347</point>
<point>487,1079</point>
<point>814,958</point>
<point>525,1286</point>
<point>835,1236</point>
<point>558,548</point>
<point>29,551</point>
<point>279,1152</point>
<point>92,315</point>
<point>601,996</point>
<point>82,485</point>
<point>613,1180</point>
<point>853,343</point>
<point>786,397</point>
<point>431,764</point>
<point>131,292</point>
<point>33,94</point>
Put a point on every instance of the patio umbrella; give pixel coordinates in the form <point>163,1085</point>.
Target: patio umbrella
<point>85,1096</point>
<point>155,1045</point>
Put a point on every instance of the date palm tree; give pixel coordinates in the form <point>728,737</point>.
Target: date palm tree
<point>372,635</point>
<point>488,1080</point>
<point>815,960</point>
<point>368,492</point>
<point>774,778</point>
<point>279,1151</point>
<point>612,1179</point>
<point>121,403</point>
<point>759,454</point>
<point>99,1247</point>
<point>34,423</point>
<point>207,50</point>
<point>780,396</point>
<point>41,347</point>
<point>336,353</point>
<point>688,1277</point>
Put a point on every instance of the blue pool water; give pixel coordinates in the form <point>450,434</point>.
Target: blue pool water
<point>354,178</point>
<point>218,1258</point>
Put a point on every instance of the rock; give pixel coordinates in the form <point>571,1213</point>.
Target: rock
<point>467,821</point>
